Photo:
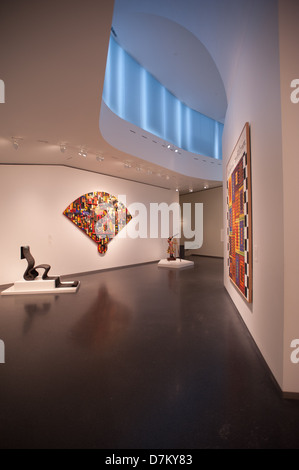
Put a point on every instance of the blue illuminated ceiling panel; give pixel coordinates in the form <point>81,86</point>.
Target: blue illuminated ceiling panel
<point>133,94</point>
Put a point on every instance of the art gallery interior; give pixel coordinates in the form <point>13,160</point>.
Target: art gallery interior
<point>145,100</point>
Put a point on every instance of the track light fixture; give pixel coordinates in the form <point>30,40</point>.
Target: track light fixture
<point>100,158</point>
<point>83,153</point>
<point>172,148</point>
<point>15,143</point>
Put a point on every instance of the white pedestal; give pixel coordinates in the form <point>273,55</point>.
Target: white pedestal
<point>39,286</point>
<point>177,264</point>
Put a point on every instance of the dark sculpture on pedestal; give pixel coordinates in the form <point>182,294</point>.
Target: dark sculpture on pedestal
<point>31,272</point>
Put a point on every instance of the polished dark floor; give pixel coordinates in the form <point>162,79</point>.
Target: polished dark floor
<point>139,358</point>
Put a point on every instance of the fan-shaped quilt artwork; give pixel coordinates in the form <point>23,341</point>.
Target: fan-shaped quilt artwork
<point>100,215</point>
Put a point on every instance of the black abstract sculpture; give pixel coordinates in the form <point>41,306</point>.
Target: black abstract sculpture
<point>31,272</point>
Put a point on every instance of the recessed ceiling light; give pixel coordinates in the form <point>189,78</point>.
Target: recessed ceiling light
<point>100,158</point>
<point>62,148</point>
<point>127,165</point>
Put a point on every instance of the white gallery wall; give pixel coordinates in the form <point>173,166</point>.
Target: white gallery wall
<point>33,200</point>
<point>212,201</point>
<point>289,40</point>
<point>255,97</point>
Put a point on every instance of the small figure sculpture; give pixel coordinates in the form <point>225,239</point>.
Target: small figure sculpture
<point>31,272</point>
<point>171,249</point>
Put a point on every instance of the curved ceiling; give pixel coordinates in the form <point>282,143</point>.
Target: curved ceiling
<point>175,57</point>
<point>53,57</point>
<point>219,25</point>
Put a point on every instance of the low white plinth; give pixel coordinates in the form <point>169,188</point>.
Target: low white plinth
<point>177,264</point>
<point>39,286</point>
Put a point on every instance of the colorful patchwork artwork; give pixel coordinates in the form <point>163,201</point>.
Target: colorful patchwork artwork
<point>100,215</point>
<point>239,216</point>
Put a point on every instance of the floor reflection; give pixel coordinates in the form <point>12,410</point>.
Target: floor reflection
<point>172,280</point>
<point>105,321</point>
<point>39,308</point>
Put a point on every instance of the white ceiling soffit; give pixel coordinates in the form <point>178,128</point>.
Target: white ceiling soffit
<point>175,57</point>
<point>154,150</point>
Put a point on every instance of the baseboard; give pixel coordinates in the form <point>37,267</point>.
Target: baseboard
<point>6,286</point>
<point>116,268</point>
<point>290,395</point>
<point>207,256</point>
